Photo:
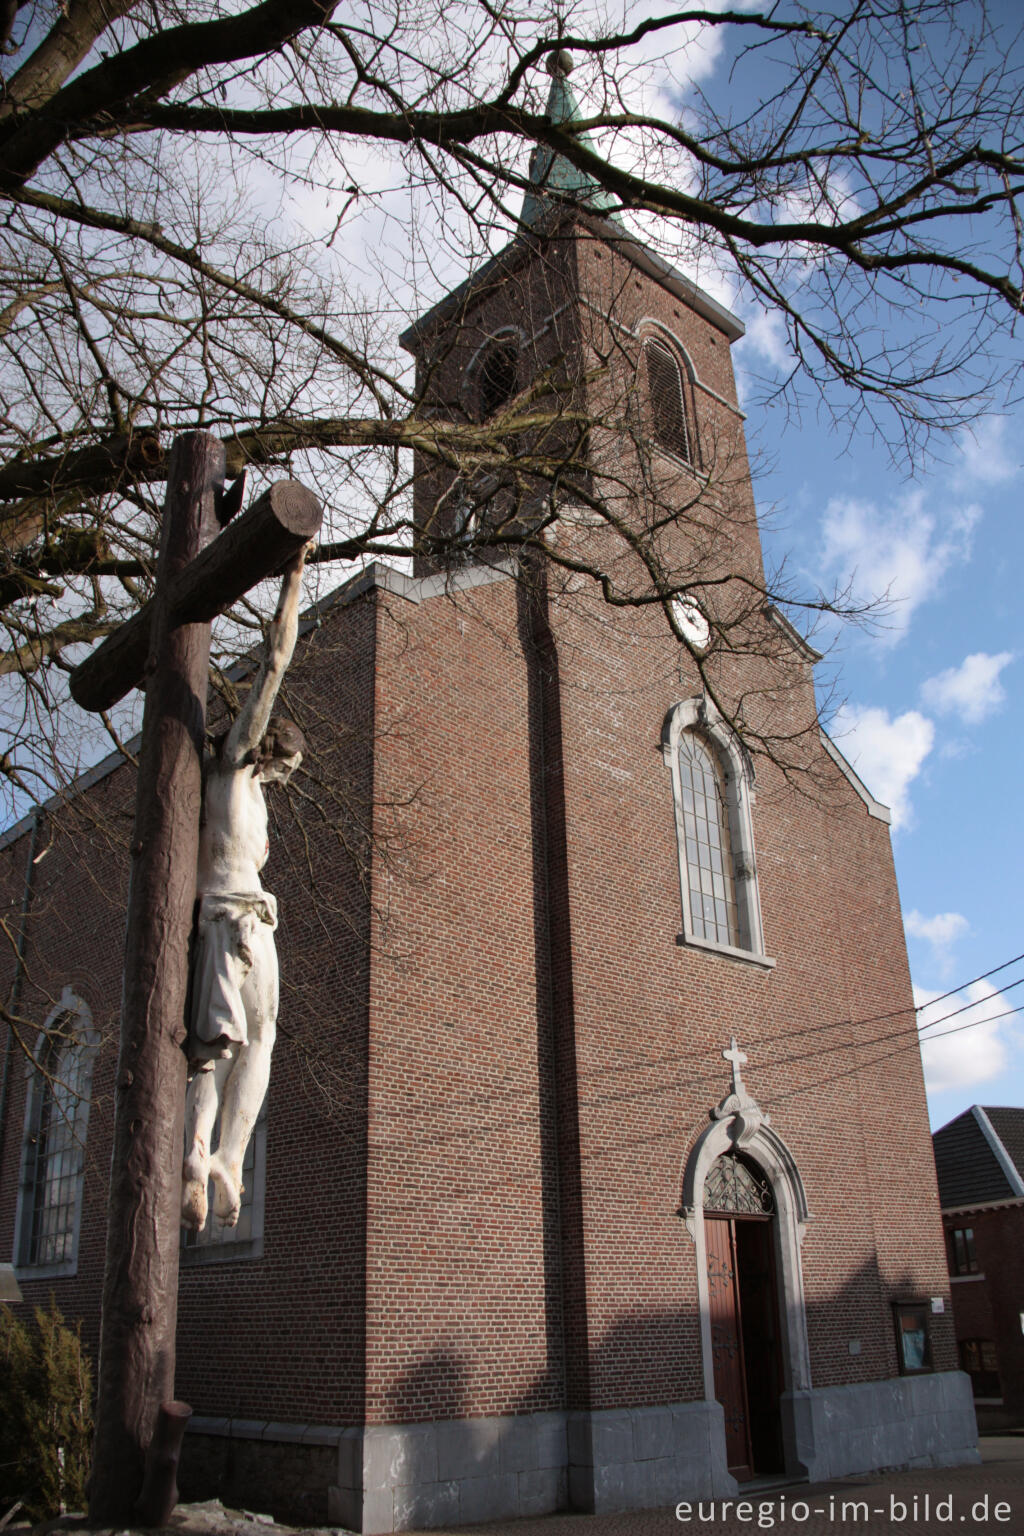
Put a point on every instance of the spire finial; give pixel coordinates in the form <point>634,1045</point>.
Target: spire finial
<point>553,179</point>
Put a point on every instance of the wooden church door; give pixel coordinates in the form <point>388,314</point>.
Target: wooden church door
<point>727,1342</point>
<point>743,1303</point>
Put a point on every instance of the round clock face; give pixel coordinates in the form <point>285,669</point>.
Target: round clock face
<point>692,622</point>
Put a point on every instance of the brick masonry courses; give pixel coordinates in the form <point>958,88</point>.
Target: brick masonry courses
<point>475,1294</point>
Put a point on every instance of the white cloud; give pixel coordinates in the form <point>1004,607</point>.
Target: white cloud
<point>940,931</point>
<point>766,335</point>
<point>900,552</point>
<point>972,690</point>
<point>960,1056</point>
<point>986,457</point>
<point>887,753</point>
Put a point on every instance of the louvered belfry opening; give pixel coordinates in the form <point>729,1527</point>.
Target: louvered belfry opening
<point>499,378</point>
<point>666,400</point>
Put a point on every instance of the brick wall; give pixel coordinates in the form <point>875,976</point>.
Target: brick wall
<point>988,1304</point>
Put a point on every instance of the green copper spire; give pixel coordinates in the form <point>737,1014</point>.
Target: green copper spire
<point>551,173</point>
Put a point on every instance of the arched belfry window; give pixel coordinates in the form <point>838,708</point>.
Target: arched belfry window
<point>498,377</point>
<point>53,1147</point>
<point>666,395</point>
<point>713,794</point>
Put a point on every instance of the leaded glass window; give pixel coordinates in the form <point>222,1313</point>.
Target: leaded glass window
<point>52,1162</point>
<point>738,1187</point>
<point>709,861</point>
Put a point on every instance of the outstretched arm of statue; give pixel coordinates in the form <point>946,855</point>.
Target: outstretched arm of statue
<point>250,727</point>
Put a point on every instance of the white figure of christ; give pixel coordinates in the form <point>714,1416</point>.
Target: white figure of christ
<point>234,994</point>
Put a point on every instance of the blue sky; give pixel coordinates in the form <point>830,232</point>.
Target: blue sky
<point>932,717</point>
<point>932,695</point>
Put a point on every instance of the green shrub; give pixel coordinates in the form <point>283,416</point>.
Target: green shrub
<point>45,1414</point>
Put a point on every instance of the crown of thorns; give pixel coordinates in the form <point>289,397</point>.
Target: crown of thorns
<point>281,739</point>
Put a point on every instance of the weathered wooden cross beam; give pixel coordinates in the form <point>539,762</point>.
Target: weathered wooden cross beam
<point>200,572</point>
<point>249,550</point>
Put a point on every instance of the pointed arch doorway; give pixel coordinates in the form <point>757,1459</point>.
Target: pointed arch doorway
<point>746,1211</point>
<point>739,1213</point>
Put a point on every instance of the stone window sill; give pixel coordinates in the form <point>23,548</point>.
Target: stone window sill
<point>690,941</point>
<point>67,1269</point>
<point>220,1253</point>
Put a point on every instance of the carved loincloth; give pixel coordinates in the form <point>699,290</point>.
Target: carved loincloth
<point>222,959</point>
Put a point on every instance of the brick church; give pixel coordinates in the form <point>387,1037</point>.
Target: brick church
<point>595,1170</point>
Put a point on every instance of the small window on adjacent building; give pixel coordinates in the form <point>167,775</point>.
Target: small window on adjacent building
<point>978,1359</point>
<point>666,397</point>
<point>53,1150</point>
<point>962,1258</point>
<point>499,378</point>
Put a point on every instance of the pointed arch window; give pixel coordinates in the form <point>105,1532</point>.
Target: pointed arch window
<point>710,874</point>
<point>498,378</point>
<point>713,791</point>
<point>53,1147</point>
<point>666,394</point>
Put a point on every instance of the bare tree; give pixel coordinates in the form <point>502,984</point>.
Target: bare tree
<point>159,164</point>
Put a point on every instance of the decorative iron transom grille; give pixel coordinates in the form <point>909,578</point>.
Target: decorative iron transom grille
<point>736,1186</point>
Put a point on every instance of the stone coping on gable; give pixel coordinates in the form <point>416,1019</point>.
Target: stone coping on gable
<point>875,807</point>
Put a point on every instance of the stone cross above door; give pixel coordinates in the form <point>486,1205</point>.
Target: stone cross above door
<point>739,1105</point>
<point>738,1058</point>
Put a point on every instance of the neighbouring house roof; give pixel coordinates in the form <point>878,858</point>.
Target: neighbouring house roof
<point>979,1157</point>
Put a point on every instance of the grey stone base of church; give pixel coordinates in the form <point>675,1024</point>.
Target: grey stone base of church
<point>638,1458</point>
<point>914,1421</point>
<point>417,1476</point>
<point>398,1477</point>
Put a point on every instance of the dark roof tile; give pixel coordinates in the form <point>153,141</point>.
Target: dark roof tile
<point>969,1171</point>
<point>1008,1124</point>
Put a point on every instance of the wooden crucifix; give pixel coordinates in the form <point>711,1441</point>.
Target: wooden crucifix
<point>201,571</point>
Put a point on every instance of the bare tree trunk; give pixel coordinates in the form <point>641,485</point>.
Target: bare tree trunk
<point>140,1290</point>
